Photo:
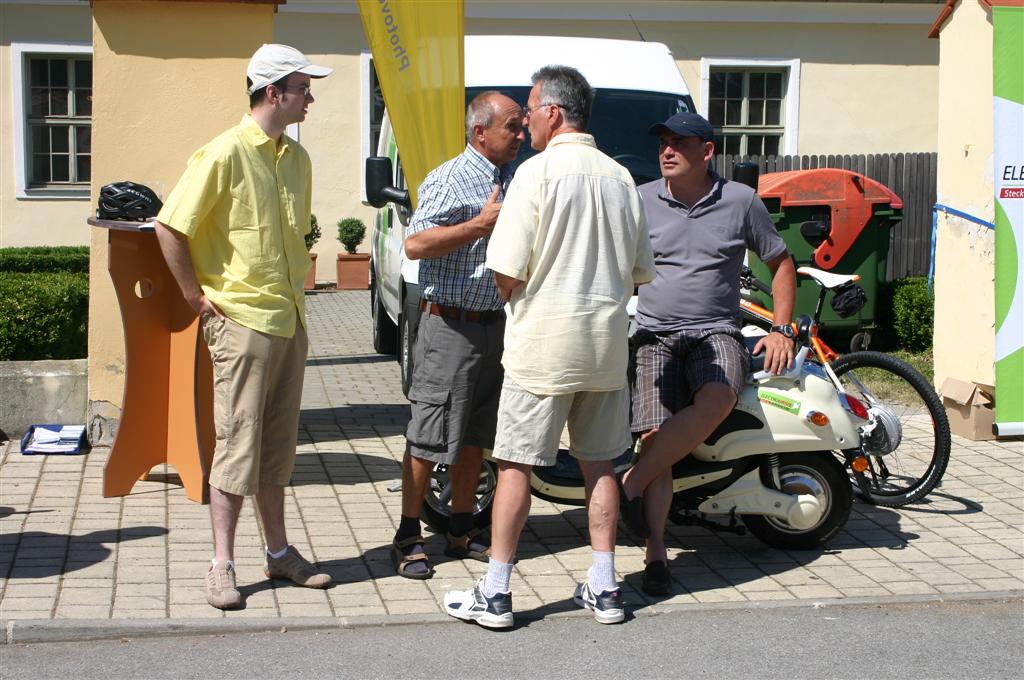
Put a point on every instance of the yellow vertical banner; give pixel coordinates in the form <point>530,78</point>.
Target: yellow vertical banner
<point>417,48</point>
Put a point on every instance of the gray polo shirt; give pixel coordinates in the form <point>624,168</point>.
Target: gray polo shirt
<point>699,251</point>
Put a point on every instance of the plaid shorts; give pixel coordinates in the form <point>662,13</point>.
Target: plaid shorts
<point>672,367</point>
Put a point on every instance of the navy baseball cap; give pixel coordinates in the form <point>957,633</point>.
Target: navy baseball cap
<point>686,124</point>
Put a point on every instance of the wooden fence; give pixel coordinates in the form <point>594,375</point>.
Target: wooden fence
<point>910,175</point>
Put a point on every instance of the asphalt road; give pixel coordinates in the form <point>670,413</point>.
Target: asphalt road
<point>967,639</point>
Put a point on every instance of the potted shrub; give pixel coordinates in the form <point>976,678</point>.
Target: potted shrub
<point>311,238</point>
<point>353,267</point>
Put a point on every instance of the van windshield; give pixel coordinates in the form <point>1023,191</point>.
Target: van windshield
<point>619,121</point>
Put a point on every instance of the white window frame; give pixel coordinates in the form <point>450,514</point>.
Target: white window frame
<point>20,51</point>
<point>791,125</point>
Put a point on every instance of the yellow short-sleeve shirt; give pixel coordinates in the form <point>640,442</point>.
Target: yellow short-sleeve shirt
<point>244,205</point>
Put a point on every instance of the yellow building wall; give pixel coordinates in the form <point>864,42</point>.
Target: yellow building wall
<point>332,132</point>
<point>187,85</point>
<point>35,221</point>
<point>965,253</point>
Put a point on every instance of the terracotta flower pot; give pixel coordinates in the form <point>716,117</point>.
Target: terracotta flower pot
<point>311,274</point>
<point>353,271</point>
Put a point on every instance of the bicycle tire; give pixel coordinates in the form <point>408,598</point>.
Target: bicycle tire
<point>919,459</point>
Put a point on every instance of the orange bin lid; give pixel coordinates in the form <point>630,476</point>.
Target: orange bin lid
<point>850,197</point>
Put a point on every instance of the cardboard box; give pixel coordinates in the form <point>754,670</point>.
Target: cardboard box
<point>970,408</point>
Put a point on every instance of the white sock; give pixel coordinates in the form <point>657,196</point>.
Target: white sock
<point>602,574</point>
<point>498,579</point>
<point>231,563</point>
<point>277,555</point>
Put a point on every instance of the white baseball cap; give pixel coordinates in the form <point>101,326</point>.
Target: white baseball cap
<point>272,62</point>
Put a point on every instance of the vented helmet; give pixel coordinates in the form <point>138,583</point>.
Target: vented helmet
<point>127,201</point>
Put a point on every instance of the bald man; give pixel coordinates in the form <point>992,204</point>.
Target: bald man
<point>457,373</point>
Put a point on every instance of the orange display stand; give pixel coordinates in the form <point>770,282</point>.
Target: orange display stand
<point>167,410</point>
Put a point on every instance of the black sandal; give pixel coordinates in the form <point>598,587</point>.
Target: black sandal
<point>402,561</point>
<point>461,547</point>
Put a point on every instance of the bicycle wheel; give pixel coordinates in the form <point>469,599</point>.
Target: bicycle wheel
<point>908,448</point>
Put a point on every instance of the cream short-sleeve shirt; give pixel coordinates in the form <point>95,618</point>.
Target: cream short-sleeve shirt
<point>572,228</point>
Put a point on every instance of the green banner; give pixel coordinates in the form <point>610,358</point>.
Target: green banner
<point>1008,112</point>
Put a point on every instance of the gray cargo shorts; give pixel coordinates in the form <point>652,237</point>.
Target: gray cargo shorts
<point>456,386</point>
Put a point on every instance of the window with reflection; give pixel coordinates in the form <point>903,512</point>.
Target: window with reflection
<point>747,109</point>
<point>59,120</point>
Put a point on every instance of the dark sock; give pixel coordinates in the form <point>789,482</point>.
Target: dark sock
<point>461,523</point>
<point>407,528</point>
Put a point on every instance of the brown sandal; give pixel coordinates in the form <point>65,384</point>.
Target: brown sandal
<point>403,561</point>
<point>461,547</point>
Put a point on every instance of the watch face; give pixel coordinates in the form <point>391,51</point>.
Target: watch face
<point>785,330</point>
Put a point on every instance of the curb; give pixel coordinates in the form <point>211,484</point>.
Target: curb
<point>27,631</point>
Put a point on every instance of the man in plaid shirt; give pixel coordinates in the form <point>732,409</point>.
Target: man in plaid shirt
<point>457,373</point>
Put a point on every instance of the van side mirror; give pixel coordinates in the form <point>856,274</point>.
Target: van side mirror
<point>379,189</point>
<point>746,173</point>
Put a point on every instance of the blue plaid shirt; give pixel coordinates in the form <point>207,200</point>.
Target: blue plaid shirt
<point>453,193</point>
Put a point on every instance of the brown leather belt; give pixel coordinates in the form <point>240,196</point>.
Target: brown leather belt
<point>457,313</point>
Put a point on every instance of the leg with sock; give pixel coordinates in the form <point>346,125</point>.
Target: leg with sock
<point>601,592</point>
<point>407,553</point>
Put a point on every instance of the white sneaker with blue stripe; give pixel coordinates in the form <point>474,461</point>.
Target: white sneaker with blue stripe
<point>473,605</point>
<point>607,605</point>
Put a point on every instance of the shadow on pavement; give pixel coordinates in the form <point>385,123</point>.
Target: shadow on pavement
<point>938,503</point>
<point>353,421</point>
<point>349,359</point>
<point>40,554</point>
<point>6,511</point>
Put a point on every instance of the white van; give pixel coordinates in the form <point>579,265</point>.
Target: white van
<point>637,84</point>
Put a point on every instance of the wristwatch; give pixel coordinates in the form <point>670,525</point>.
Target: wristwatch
<point>785,329</point>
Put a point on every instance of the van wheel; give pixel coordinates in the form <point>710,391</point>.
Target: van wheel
<point>405,352</point>
<point>384,331</point>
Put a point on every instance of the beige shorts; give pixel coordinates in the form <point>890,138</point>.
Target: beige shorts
<point>530,425</point>
<point>257,391</point>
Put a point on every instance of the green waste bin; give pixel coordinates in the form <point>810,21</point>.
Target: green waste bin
<point>857,214</point>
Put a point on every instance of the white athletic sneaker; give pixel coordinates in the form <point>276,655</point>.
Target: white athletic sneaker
<point>473,605</point>
<point>607,605</point>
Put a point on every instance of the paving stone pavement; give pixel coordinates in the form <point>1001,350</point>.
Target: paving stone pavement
<point>68,553</point>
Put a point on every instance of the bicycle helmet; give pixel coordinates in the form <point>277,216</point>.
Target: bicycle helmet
<point>127,201</point>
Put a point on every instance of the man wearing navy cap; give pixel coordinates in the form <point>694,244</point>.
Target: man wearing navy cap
<point>690,361</point>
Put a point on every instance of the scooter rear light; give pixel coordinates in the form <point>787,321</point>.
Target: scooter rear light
<point>854,406</point>
<point>859,464</point>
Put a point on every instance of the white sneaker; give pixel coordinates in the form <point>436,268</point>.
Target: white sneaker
<point>473,605</point>
<point>607,605</point>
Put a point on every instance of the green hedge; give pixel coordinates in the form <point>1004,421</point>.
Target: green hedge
<point>913,313</point>
<point>45,259</point>
<point>43,315</point>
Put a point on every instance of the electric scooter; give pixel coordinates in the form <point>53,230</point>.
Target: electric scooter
<point>769,467</point>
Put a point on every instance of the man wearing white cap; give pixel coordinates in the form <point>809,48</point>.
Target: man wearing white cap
<point>232,234</point>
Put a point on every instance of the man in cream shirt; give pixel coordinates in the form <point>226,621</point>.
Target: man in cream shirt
<point>569,246</point>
